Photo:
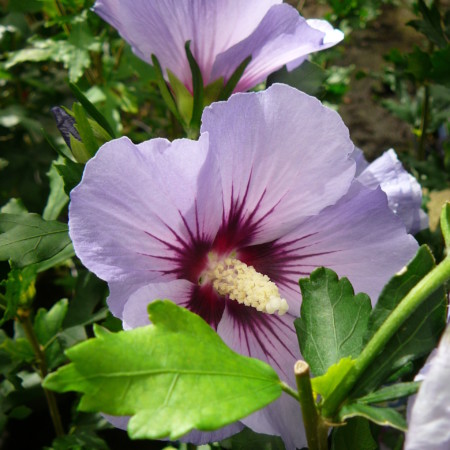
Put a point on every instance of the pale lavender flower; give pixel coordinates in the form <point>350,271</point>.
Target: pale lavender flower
<point>267,190</point>
<point>429,418</point>
<point>403,191</point>
<point>223,33</point>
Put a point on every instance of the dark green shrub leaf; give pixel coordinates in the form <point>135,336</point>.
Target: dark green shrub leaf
<point>381,416</point>
<point>333,320</point>
<point>27,238</point>
<point>355,435</point>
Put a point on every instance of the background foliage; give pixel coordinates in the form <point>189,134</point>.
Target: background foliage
<point>59,53</point>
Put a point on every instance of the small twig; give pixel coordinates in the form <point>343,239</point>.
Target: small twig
<point>24,318</point>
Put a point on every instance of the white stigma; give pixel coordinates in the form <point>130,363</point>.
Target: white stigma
<point>245,285</point>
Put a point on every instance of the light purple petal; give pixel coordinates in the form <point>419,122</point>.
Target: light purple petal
<point>360,160</point>
<point>282,37</point>
<point>403,191</point>
<point>138,207</point>
<point>162,27</point>
<point>359,238</point>
<point>270,338</point>
<point>429,424</point>
<point>281,153</point>
<point>135,311</point>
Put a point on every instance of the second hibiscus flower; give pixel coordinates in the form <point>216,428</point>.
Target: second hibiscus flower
<point>222,34</point>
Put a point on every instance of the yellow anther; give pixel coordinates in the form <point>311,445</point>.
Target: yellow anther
<point>245,285</point>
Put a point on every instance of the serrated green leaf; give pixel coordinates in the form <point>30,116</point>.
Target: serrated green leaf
<point>57,199</point>
<point>332,320</point>
<point>27,238</point>
<point>420,332</point>
<point>191,379</point>
<point>430,25</point>
<point>355,435</point>
<point>326,383</point>
<point>393,392</point>
<point>445,225</point>
<point>381,416</point>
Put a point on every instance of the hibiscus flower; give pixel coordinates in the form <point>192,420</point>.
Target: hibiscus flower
<point>222,34</point>
<point>226,225</point>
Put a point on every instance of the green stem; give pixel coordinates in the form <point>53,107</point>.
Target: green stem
<point>316,430</point>
<point>24,318</point>
<point>286,388</point>
<point>418,294</point>
<point>424,123</point>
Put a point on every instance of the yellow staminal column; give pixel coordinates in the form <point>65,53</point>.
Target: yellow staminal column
<point>245,285</point>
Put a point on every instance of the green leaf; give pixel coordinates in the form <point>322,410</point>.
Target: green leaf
<point>89,292</point>
<point>430,25</point>
<point>14,206</point>
<point>57,199</point>
<point>80,440</point>
<point>19,290</point>
<point>47,325</point>
<point>420,332</point>
<point>440,60</point>
<point>381,416</point>
<point>71,173</point>
<point>60,258</point>
<point>92,110</point>
<point>332,320</point>
<point>200,383</point>
<point>79,150</point>
<point>445,225</point>
<point>355,435</point>
<point>165,92</point>
<point>326,383</point>
<point>197,87</point>
<point>249,440</point>
<point>234,79</point>
<point>85,130</point>
<point>419,64</point>
<point>27,238</point>
<point>183,98</point>
<point>18,349</point>
<point>392,392</point>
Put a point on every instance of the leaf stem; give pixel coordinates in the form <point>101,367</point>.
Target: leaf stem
<point>316,430</point>
<point>24,318</point>
<point>424,122</point>
<point>418,294</point>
